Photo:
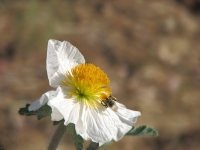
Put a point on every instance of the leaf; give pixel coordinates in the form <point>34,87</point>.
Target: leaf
<point>142,131</point>
<point>42,112</point>
<point>77,139</point>
<point>24,111</point>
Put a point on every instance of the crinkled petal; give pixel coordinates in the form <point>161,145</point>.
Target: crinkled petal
<point>119,128</point>
<point>97,124</point>
<point>61,56</point>
<point>41,101</point>
<point>74,114</point>
<point>81,126</point>
<point>61,105</point>
<point>100,125</point>
<point>126,115</point>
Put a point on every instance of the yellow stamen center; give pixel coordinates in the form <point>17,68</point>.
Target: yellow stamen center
<point>87,83</point>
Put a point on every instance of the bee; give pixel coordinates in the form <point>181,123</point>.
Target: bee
<point>110,102</point>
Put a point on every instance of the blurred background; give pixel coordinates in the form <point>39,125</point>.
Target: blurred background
<point>149,49</point>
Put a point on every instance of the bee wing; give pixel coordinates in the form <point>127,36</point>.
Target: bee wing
<point>114,107</point>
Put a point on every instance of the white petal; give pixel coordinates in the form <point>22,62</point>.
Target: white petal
<point>61,56</point>
<point>81,126</point>
<point>69,56</point>
<point>41,101</point>
<point>126,115</point>
<point>56,115</point>
<point>121,128</point>
<point>63,106</point>
<point>74,114</point>
<point>52,58</point>
<point>100,125</point>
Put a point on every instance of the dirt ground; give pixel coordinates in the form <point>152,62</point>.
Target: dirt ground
<point>150,50</point>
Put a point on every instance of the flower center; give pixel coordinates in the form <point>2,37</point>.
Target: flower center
<point>87,83</point>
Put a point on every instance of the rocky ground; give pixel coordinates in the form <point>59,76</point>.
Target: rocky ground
<point>149,49</point>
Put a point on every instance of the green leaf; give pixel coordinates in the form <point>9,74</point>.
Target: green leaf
<point>77,139</point>
<point>24,111</point>
<point>142,131</point>
<point>42,112</point>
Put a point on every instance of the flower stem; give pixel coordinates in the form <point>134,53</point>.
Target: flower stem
<point>53,145</point>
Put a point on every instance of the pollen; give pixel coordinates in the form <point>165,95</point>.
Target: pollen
<point>87,83</point>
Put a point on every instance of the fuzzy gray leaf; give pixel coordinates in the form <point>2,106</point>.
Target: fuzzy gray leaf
<point>142,131</point>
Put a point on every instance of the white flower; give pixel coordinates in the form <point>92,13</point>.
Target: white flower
<point>80,97</point>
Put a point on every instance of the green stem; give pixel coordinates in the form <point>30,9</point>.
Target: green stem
<point>93,146</point>
<point>53,145</point>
